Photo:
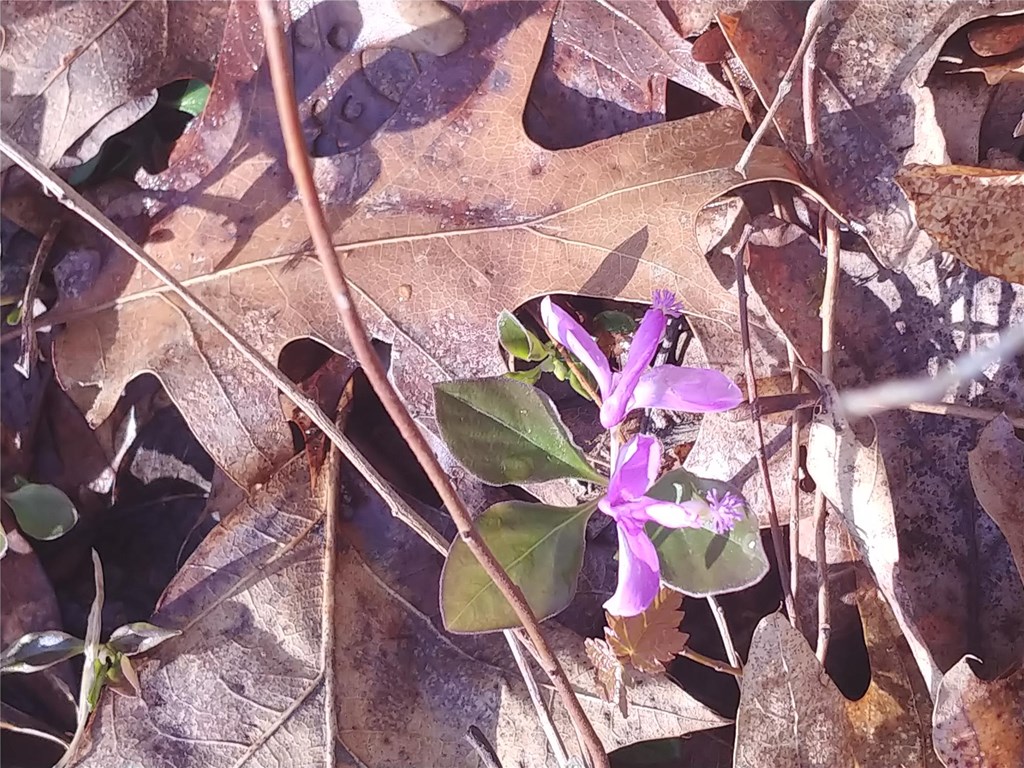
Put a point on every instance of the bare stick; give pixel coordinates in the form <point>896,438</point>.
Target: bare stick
<point>538,701</point>
<point>482,747</point>
<point>795,425</point>
<point>762,456</point>
<point>715,664</point>
<point>828,333</point>
<point>816,16</point>
<point>723,630</point>
<point>29,344</point>
<point>298,162</point>
<point>964,411</point>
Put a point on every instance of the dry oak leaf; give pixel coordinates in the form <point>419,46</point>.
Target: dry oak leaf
<point>997,474</point>
<point>974,213</point>
<point>649,640</point>
<point>790,713</point>
<point>282,663</point>
<point>977,724</point>
<point>66,66</point>
<point>875,112</point>
<point>449,215</point>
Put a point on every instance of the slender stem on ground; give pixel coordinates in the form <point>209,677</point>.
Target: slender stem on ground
<point>715,664</point>
<point>299,163</point>
<point>723,630</point>
<point>29,344</point>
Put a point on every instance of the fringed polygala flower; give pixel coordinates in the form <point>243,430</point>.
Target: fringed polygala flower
<point>638,385</point>
<point>636,469</point>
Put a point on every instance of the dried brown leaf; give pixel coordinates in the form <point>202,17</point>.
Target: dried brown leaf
<point>448,216</point>
<point>997,474</point>
<point>651,639</point>
<point>790,714</point>
<point>996,36</point>
<point>972,212</point>
<point>607,668</point>
<point>977,723</point>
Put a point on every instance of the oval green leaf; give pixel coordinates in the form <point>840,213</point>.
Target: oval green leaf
<point>698,561</point>
<point>517,340</point>
<point>540,547</point>
<point>504,431</point>
<point>42,511</point>
<point>39,650</point>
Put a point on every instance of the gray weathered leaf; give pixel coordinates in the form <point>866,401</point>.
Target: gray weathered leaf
<point>997,474</point>
<point>39,650</point>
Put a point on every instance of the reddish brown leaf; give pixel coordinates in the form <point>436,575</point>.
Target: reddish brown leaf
<point>649,640</point>
<point>607,669</point>
<point>996,36</point>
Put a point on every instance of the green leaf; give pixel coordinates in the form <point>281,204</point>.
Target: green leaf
<point>193,100</point>
<point>42,511</point>
<point>39,650</point>
<point>504,431</point>
<point>517,340</point>
<point>614,321</point>
<point>139,637</point>
<point>530,376</point>
<point>541,549</point>
<point>697,561</point>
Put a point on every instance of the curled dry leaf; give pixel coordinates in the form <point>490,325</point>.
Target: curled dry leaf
<point>243,680</point>
<point>652,639</point>
<point>972,212</point>
<point>790,714</point>
<point>875,114</point>
<point>997,474</point>
<point>435,247</point>
<point>977,723</point>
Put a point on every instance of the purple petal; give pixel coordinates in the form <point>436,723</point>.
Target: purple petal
<point>675,388</point>
<point>641,352</point>
<point>666,302</point>
<point>639,578</point>
<point>636,469</point>
<point>671,515</point>
<point>574,337</point>
<point>726,510</point>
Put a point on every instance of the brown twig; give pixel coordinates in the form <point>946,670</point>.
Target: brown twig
<point>29,344</point>
<point>482,747</point>
<point>964,411</point>
<point>298,162</point>
<point>828,331</point>
<point>795,426</point>
<point>715,664</point>
<point>723,630</point>
<point>762,456</point>
<point>816,16</point>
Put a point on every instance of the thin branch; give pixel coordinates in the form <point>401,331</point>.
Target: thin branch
<point>715,664</point>
<point>298,162</point>
<point>762,456</point>
<point>795,426</point>
<point>478,741</point>
<point>723,630</point>
<point>964,411</point>
<point>541,707</point>
<point>828,333</point>
<point>29,343</point>
<point>816,16</point>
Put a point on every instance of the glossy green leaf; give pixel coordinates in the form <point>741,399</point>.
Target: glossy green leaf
<point>697,561</point>
<point>541,549</point>
<point>42,511</point>
<point>504,431</point>
<point>139,637</point>
<point>193,98</point>
<point>530,376</point>
<point>39,650</point>
<point>517,340</point>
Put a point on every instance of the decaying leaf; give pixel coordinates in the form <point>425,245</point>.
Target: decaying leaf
<point>972,212</point>
<point>876,114</point>
<point>977,723</point>
<point>790,713</point>
<point>608,670</point>
<point>435,248</point>
<point>651,639</point>
<point>246,677</point>
<point>997,474</point>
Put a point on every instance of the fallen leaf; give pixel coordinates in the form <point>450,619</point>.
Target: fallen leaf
<point>977,723</point>
<point>875,114</point>
<point>971,212</point>
<point>244,680</point>
<point>67,65</point>
<point>435,248</point>
<point>997,474</point>
<point>651,639</point>
<point>790,713</point>
<point>996,36</point>
<point>607,668</point>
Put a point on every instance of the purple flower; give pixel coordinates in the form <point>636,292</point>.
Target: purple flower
<point>636,467</point>
<point>637,385</point>
<point>726,510</point>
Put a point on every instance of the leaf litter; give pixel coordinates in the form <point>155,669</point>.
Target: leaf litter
<point>454,195</point>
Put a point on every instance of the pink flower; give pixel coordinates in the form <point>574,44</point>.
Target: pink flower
<point>637,385</point>
<point>637,466</point>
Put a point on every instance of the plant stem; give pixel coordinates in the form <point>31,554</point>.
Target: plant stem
<point>723,630</point>
<point>298,162</point>
<point>715,664</point>
<point>29,344</point>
